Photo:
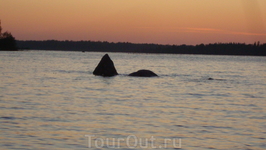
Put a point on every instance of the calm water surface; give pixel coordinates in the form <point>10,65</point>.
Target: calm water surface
<point>51,100</point>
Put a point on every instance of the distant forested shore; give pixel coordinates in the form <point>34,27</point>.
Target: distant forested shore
<point>7,41</point>
<point>256,49</point>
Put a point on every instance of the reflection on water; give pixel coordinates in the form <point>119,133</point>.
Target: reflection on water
<point>51,100</point>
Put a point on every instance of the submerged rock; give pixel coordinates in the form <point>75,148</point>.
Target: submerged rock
<point>143,73</point>
<point>105,67</point>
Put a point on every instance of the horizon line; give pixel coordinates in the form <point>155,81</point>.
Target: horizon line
<point>147,43</point>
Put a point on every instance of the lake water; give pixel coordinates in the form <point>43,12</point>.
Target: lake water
<point>51,100</point>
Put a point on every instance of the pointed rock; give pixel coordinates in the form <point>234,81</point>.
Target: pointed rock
<point>105,67</point>
<point>143,73</point>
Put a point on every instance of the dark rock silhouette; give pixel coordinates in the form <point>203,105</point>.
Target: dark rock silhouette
<point>143,73</point>
<point>105,67</point>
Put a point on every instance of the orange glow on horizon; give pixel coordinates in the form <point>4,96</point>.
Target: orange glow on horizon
<point>137,21</point>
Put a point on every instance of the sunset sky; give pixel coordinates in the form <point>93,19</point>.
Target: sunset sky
<point>137,21</point>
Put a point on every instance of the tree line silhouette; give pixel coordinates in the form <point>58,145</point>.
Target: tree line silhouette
<point>7,41</point>
<point>255,49</point>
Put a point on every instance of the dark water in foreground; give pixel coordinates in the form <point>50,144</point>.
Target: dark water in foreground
<point>51,100</point>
